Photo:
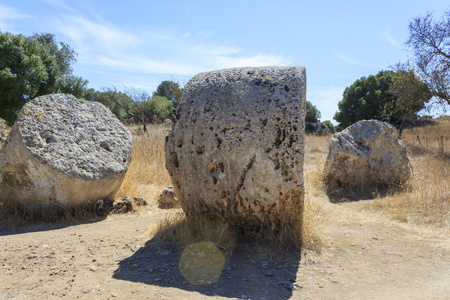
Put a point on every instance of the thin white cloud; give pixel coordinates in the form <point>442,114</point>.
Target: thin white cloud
<point>257,60</point>
<point>354,62</point>
<point>143,65</point>
<point>8,13</point>
<point>59,3</point>
<point>389,38</point>
<point>93,37</point>
<point>104,47</point>
<point>159,51</point>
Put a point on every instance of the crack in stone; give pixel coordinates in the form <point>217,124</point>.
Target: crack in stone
<point>244,173</point>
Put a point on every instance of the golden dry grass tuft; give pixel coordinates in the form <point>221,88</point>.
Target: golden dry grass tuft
<point>13,215</point>
<point>316,213</point>
<point>224,233</point>
<point>176,227</point>
<point>147,176</point>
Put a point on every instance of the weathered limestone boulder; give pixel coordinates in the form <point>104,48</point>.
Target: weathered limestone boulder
<point>62,152</point>
<point>237,145</point>
<point>365,158</point>
<point>168,199</point>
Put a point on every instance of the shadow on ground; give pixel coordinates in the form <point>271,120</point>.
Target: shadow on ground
<point>36,225</point>
<point>249,271</point>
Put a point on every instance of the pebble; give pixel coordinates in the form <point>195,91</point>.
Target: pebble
<point>136,248</point>
<point>294,286</point>
<point>313,260</point>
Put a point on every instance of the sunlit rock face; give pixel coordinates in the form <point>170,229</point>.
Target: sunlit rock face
<point>365,158</point>
<point>63,152</point>
<point>237,146</point>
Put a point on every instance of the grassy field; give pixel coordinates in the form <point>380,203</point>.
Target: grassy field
<point>427,199</point>
<point>424,202</point>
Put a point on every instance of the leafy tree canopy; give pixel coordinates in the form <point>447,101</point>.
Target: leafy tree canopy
<point>170,90</point>
<point>34,66</point>
<point>133,104</point>
<point>364,99</point>
<point>312,113</point>
<point>330,126</point>
<point>389,96</point>
<point>112,99</point>
<point>162,107</point>
<point>410,95</point>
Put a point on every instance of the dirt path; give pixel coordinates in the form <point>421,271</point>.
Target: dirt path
<point>366,257</point>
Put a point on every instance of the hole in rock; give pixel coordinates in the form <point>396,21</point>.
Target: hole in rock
<point>105,146</point>
<point>201,149</point>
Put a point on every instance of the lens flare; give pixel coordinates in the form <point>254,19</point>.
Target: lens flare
<point>201,263</point>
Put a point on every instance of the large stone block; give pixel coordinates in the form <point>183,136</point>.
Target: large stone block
<point>237,146</point>
<point>62,152</point>
<point>365,158</point>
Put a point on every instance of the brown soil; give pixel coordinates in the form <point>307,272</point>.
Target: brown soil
<point>365,257</point>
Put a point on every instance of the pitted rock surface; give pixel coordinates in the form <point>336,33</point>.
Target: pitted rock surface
<point>237,146</point>
<point>365,158</point>
<point>63,150</point>
<point>167,199</point>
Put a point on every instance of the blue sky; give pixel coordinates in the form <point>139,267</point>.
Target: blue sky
<point>142,43</point>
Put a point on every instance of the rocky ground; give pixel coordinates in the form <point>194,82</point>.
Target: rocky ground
<point>365,257</point>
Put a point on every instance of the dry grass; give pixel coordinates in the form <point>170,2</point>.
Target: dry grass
<point>427,201</point>
<point>14,216</point>
<point>177,228</point>
<point>431,139</point>
<point>316,214</point>
<point>147,176</point>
